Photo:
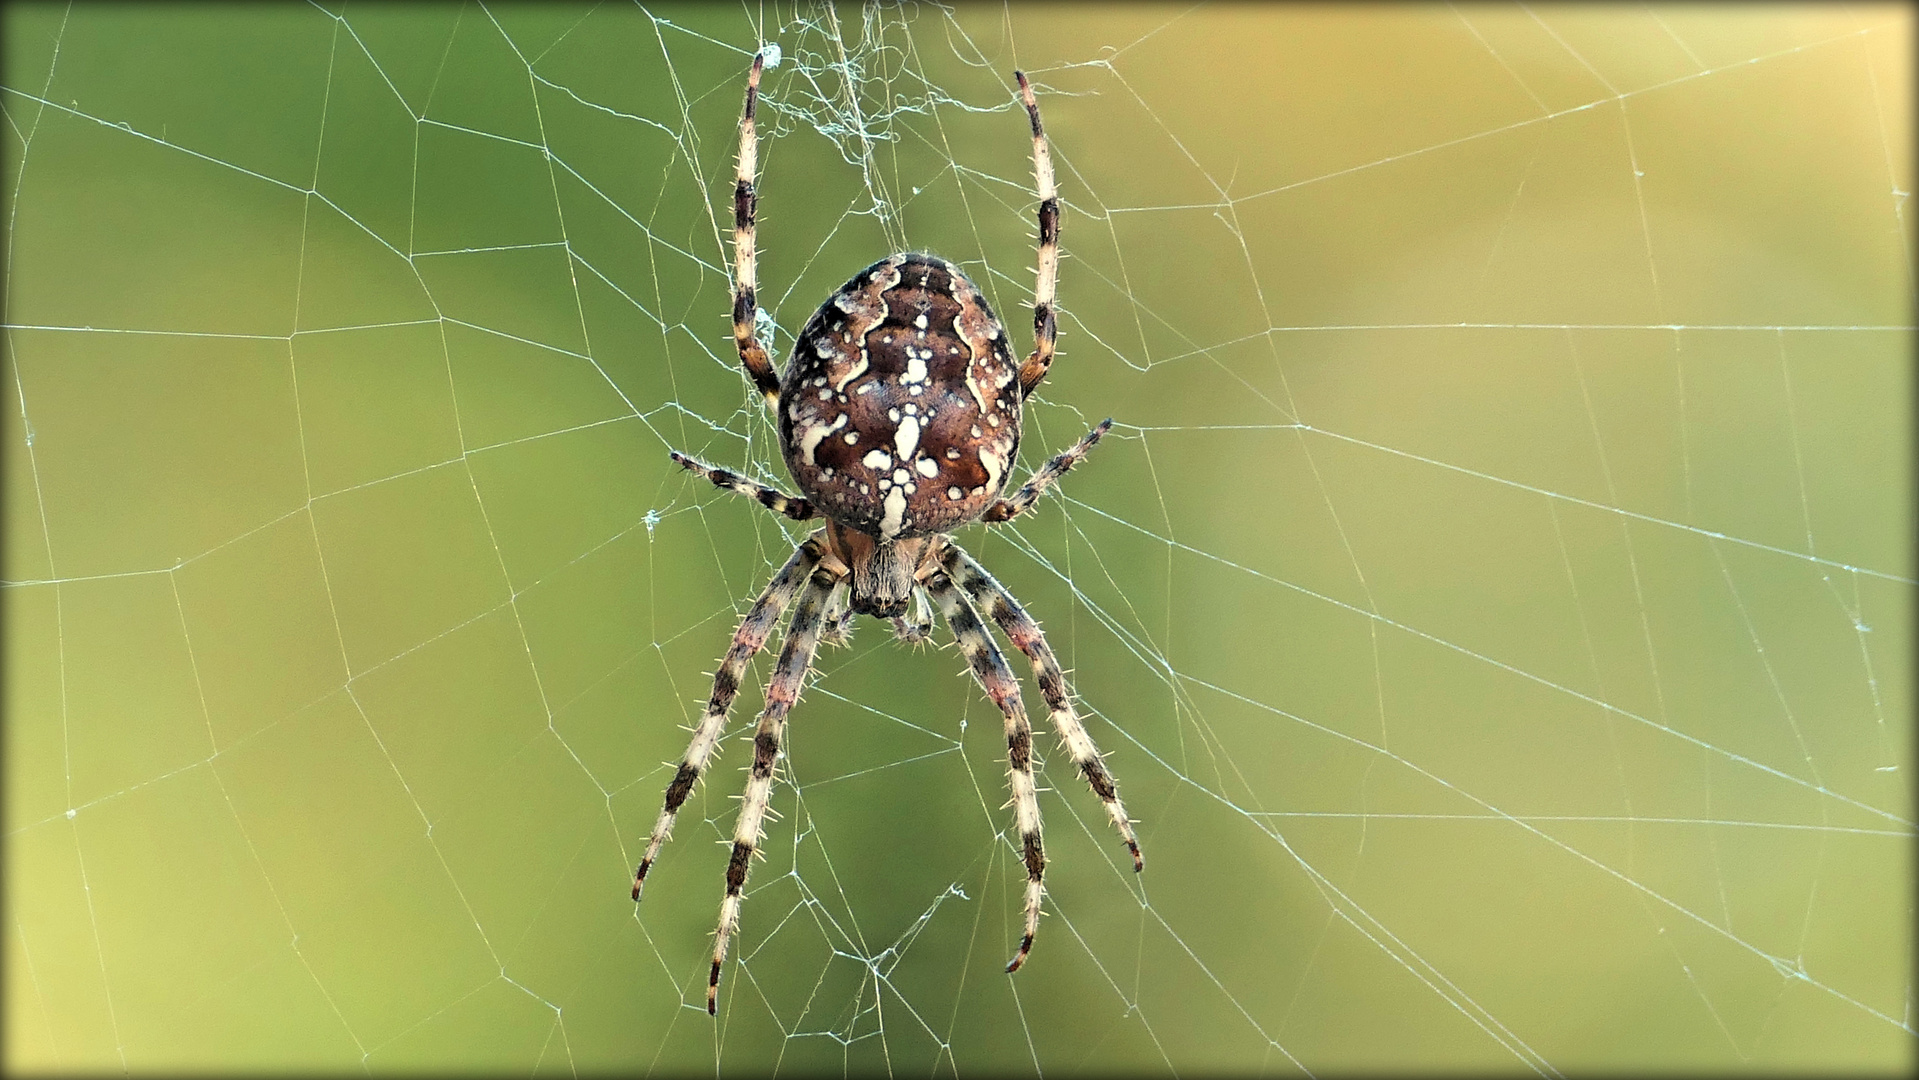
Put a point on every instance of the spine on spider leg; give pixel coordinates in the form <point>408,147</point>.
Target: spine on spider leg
<point>1021,629</point>
<point>747,640</point>
<point>782,692</point>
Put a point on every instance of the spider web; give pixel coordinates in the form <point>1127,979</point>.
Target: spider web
<point>1495,595</point>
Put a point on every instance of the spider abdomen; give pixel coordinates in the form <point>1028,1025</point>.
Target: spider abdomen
<point>900,408</point>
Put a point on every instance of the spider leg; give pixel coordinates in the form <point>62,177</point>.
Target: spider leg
<point>745,296</point>
<point>772,498</point>
<point>796,658</point>
<point>747,641</point>
<point>1044,326</point>
<point>989,667</point>
<point>1047,476</point>
<point>1025,635</point>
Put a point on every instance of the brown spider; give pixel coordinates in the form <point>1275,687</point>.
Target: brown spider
<point>899,419</point>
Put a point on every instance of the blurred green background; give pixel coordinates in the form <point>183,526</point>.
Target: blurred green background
<point>1496,595</point>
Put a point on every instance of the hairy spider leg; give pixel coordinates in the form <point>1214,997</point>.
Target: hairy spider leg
<point>1047,476</point>
<point>1020,628</point>
<point>772,498</point>
<point>745,287</point>
<point>1044,320</point>
<point>989,667</point>
<point>747,640</point>
<point>789,675</point>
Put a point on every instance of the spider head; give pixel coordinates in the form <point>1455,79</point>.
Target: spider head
<point>884,572</point>
<point>869,605</point>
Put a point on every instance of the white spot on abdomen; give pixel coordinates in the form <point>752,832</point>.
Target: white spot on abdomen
<point>877,460</point>
<point>907,438</point>
<point>810,439</point>
<point>972,385</point>
<point>994,463</point>
<point>895,513</point>
<point>852,373</point>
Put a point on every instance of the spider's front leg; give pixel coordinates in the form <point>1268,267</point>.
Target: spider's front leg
<point>789,675</point>
<point>989,667</point>
<point>1025,635</point>
<point>747,640</point>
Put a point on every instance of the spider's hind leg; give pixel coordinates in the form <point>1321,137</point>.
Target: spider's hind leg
<point>746,308</point>
<point>1045,322</point>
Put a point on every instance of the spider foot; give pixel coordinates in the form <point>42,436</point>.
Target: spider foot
<point>1025,947</point>
<point>639,878</point>
<point>911,633</point>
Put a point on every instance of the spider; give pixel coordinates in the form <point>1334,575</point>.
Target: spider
<point>899,418</point>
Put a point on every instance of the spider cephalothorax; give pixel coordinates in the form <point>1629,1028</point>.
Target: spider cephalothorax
<point>899,418</point>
